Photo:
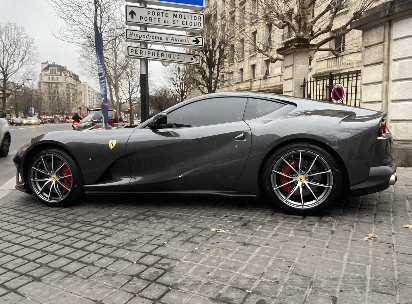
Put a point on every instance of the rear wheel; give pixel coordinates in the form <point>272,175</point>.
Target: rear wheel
<point>55,178</point>
<point>4,146</point>
<point>302,178</point>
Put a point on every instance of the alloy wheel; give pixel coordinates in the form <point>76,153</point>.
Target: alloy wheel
<point>51,177</point>
<point>302,179</point>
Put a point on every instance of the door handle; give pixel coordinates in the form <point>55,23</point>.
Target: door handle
<point>241,136</point>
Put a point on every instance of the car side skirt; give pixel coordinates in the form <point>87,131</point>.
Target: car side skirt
<point>171,193</point>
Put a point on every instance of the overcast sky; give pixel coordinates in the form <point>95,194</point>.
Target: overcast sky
<point>39,21</point>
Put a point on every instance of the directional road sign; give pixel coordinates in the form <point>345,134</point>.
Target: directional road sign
<point>160,55</point>
<point>164,39</point>
<point>190,4</point>
<point>166,19</point>
<point>338,93</point>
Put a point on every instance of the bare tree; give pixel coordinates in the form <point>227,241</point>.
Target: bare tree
<point>180,81</point>
<point>130,85</point>
<point>207,76</point>
<point>17,51</point>
<point>161,99</point>
<point>309,21</point>
<point>79,18</point>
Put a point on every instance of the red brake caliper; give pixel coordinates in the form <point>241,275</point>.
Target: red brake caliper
<point>283,179</point>
<point>67,180</point>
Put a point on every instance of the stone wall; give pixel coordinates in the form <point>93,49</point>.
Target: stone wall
<point>387,70</point>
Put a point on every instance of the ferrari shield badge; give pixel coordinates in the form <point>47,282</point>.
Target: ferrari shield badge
<point>112,143</point>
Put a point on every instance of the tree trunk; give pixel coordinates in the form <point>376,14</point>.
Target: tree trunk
<point>4,97</point>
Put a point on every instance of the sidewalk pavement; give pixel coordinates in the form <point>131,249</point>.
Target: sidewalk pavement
<point>206,250</point>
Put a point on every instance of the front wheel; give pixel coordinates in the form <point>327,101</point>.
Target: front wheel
<point>4,146</point>
<point>302,178</point>
<point>55,178</point>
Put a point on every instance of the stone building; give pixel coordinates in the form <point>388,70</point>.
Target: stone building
<point>60,89</point>
<point>248,69</point>
<point>88,96</point>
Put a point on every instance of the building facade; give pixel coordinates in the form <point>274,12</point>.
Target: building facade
<point>60,89</point>
<point>88,96</point>
<point>250,32</point>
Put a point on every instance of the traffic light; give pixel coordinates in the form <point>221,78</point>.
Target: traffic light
<point>80,107</point>
<point>128,108</point>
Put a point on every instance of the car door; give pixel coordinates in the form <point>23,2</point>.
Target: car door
<point>203,145</point>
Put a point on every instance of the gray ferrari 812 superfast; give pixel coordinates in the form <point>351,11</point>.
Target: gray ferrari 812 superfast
<point>300,154</point>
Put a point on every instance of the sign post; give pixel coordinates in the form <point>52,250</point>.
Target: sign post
<point>160,55</point>
<point>338,93</point>
<point>164,39</point>
<point>143,17</point>
<point>144,77</point>
<point>164,19</point>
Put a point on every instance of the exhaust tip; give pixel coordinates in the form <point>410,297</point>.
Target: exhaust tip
<point>393,179</point>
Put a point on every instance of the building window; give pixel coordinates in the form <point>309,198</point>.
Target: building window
<point>254,7</point>
<point>254,43</point>
<point>232,54</point>
<point>269,34</point>
<point>241,49</point>
<point>253,71</point>
<point>340,44</point>
<point>267,66</point>
<point>53,71</point>
<point>242,17</point>
<point>241,74</point>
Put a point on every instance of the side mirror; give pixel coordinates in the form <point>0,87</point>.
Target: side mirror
<point>159,119</point>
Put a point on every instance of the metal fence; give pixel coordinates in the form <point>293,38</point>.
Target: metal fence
<point>320,88</point>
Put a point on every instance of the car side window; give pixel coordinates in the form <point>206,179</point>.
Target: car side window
<point>260,107</point>
<point>211,111</point>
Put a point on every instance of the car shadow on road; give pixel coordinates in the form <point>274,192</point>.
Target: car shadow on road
<point>205,203</point>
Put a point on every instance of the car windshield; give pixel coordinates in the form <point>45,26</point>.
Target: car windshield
<point>94,115</point>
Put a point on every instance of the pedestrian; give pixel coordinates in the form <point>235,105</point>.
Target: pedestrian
<point>76,117</point>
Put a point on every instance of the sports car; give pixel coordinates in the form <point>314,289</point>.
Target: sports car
<point>300,154</point>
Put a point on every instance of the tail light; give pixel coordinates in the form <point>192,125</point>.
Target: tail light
<point>382,128</point>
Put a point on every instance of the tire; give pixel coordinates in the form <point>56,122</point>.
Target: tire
<point>55,178</point>
<point>301,178</point>
<point>4,146</point>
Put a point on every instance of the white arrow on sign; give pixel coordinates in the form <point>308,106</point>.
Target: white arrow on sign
<point>159,55</point>
<point>167,19</point>
<point>164,39</point>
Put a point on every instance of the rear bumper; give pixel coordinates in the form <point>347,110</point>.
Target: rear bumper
<point>379,179</point>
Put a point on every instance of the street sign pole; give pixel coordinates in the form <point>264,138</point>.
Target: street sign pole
<point>144,78</point>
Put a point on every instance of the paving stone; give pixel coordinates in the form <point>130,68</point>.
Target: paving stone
<point>135,285</point>
<point>118,297</point>
<point>99,293</point>
<point>11,298</point>
<point>154,291</point>
<point>175,296</point>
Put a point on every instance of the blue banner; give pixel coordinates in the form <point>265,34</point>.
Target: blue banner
<point>102,78</point>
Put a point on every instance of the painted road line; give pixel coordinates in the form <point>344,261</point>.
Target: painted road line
<point>8,187</point>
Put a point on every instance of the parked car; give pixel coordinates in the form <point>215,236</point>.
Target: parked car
<point>300,154</point>
<point>94,120</point>
<point>5,136</point>
<point>30,121</point>
<point>15,121</point>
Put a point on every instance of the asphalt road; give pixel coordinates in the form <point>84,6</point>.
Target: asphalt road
<point>19,135</point>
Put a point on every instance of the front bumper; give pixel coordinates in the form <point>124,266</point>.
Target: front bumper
<point>379,179</point>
